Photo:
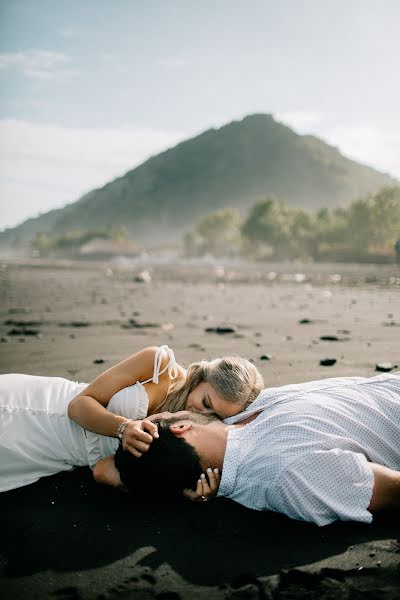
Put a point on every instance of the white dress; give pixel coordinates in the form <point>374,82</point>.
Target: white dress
<point>37,438</point>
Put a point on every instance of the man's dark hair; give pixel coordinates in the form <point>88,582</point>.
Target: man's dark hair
<point>165,470</point>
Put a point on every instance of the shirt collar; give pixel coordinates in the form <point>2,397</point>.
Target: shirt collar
<point>231,463</point>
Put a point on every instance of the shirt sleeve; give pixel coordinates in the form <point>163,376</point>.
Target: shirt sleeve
<point>325,486</point>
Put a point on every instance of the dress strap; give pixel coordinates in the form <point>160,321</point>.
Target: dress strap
<point>172,365</point>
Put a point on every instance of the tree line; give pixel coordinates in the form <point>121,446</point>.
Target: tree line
<point>46,243</point>
<point>365,230</point>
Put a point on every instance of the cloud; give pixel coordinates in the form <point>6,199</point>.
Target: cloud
<point>45,166</point>
<point>172,63</point>
<point>38,64</point>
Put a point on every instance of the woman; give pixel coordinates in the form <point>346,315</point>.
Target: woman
<point>51,424</point>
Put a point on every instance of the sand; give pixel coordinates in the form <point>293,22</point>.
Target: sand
<point>66,537</point>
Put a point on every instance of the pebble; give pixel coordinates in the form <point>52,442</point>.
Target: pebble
<point>98,361</point>
<point>385,367</point>
<point>265,357</point>
<point>134,324</point>
<point>304,321</point>
<point>4,340</point>
<point>23,324</point>
<point>327,362</point>
<point>143,277</point>
<point>220,329</point>
<point>23,331</point>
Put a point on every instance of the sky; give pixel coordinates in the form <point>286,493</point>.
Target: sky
<point>89,90</point>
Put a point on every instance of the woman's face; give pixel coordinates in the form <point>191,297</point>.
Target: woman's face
<point>204,399</point>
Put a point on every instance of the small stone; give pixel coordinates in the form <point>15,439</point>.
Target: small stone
<point>4,340</point>
<point>304,321</point>
<point>143,277</point>
<point>98,361</point>
<point>385,367</point>
<point>265,357</point>
<point>327,362</point>
<point>372,554</point>
<point>23,331</point>
<point>221,330</point>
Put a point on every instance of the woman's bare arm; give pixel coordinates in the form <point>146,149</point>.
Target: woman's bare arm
<point>88,409</point>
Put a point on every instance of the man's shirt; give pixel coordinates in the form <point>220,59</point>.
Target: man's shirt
<point>307,453</point>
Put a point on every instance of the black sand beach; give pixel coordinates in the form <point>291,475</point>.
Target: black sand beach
<point>66,537</point>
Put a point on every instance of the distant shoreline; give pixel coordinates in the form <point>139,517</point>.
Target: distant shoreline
<point>227,270</point>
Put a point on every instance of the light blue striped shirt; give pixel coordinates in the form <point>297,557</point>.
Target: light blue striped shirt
<point>307,453</point>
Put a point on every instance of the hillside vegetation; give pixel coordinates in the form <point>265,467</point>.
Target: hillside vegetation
<point>232,166</point>
<point>366,230</point>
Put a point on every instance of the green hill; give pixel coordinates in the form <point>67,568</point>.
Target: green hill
<point>231,166</point>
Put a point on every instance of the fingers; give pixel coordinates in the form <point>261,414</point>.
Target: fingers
<point>133,451</point>
<point>135,431</point>
<point>139,446</point>
<point>206,488</point>
<point>138,435</point>
<point>211,488</point>
<point>150,427</point>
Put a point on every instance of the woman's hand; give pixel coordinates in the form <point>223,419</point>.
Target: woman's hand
<point>138,435</point>
<point>207,486</point>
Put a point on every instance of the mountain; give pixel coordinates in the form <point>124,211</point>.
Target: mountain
<point>234,165</point>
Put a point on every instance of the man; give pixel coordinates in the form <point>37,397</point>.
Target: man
<point>319,451</point>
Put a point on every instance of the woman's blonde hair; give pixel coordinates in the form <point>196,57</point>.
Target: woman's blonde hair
<point>235,379</point>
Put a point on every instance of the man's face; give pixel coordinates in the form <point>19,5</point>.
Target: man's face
<point>204,432</point>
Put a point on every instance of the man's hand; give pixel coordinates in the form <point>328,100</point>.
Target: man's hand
<point>138,435</point>
<point>207,487</point>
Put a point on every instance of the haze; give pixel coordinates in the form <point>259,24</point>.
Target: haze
<point>89,90</point>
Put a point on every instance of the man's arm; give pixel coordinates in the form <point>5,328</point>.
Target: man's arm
<point>386,491</point>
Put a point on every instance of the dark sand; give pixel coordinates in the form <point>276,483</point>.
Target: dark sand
<point>67,538</point>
